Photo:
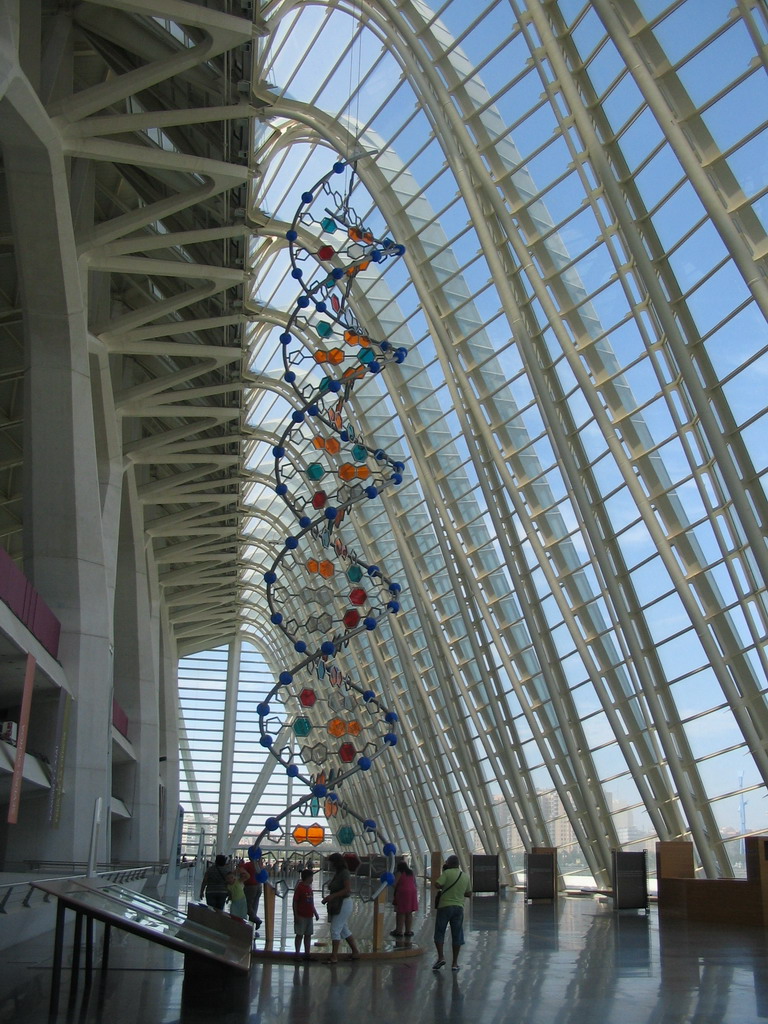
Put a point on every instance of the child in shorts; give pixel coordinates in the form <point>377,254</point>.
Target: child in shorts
<point>304,912</point>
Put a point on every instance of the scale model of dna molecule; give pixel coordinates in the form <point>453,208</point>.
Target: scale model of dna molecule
<point>321,592</point>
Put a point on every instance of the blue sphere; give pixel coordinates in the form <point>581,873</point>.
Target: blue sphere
<point>271,824</point>
<point>330,513</point>
<point>338,167</point>
<point>335,386</point>
<point>262,876</point>
<point>291,543</point>
<point>313,410</point>
<point>281,489</point>
<point>390,849</point>
<point>327,647</point>
<point>391,716</point>
<point>300,646</point>
<point>319,789</point>
<point>307,197</point>
<point>364,763</point>
<point>263,709</point>
<point>276,617</point>
<point>396,478</point>
<point>369,695</point>
<point>304,522</point>
<point>321,307</point>
<point>286,338</point>
<point>370,492</point>
<point>393,606</point>
<point>333,797</point>
<point>270,577</point>
<point>289,377</point>
<point>387,877</point>
<point>291,235</point>
<point>373,570</point>
<point>374,366</point>
<point>292,770</point>
<point>297,273</point>
<point>369,622</point>
<point>369,825</point>
<point>297,416</point>
<point>278,451</point>
<point>285,678</point>
<point>344,435</point>
<point>395,588</point>
<point>390,739</point>
<point>337,273</point>
<point>254,852</point>
<point>267,741</point>
<point>379,455</point>
<point>303,301</point>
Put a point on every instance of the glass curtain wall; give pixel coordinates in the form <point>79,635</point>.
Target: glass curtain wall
<point>580,658</point>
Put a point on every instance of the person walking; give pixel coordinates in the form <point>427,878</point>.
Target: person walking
<point>453,888</point>
<point>339,903</point>
<point>238,906</point>
<point>214,884</point>
<point>252,889</point>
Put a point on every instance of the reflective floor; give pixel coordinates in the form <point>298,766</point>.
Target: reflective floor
<point>574,962</point>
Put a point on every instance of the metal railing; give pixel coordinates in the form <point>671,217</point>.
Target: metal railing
<point>19,896</point>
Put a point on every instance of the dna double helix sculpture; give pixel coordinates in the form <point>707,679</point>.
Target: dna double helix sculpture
<point>321,591</point>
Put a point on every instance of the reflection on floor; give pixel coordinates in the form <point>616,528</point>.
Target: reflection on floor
<point>574,962</point>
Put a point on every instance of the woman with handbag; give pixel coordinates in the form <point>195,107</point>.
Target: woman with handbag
<point>339,903</point>
<point>453,887</point>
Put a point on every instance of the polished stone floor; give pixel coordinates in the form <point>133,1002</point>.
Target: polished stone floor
<point>576,962</point>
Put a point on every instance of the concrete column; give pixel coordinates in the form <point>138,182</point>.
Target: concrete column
<point>64,554</point>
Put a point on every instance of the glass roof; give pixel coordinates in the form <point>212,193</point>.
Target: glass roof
<point>582,190</point>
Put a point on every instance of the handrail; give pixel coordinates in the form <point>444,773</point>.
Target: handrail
<point>23,895</point>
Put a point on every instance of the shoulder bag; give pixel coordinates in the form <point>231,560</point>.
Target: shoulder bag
<point>441,891</point>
